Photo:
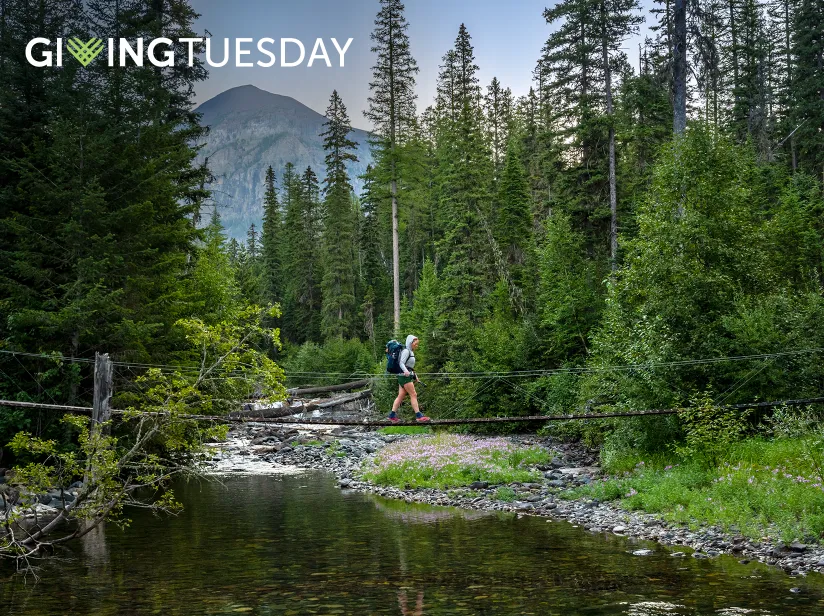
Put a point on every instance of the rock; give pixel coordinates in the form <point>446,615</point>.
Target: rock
<point>699,555</point>
<point>345,483</point>
<point>797,547</point>
<point>555,483</point>
<point>479,485</point>
<point>522,505</point>
<point>795,589</point>
<point>619,529</point>
<point>642,552</point>
<point>678,555</point>
<point>557,462</point>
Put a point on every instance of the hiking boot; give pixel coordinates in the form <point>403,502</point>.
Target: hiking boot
<point>394,419</point>
<point>422,418</point>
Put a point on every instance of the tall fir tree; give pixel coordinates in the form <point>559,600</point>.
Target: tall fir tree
<point>514,224</point>
<point>808,87</point>
<point>271,240</point>
<point>464,171</point>
<point>392,112</point>
<point>498,109</point>
<point>339,237</point>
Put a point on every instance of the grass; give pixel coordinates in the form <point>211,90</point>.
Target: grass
<point>405,430</point>
<point>761,489</point>
<point>453,460</point>
<point>505,494</point>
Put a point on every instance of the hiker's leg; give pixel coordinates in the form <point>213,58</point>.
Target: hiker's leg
<point>399,400</point>
<point>413,396</point>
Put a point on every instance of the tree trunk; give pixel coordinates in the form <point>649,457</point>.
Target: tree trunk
<point>679,68</point>
<point>396,268</point>
<point>613,197</point>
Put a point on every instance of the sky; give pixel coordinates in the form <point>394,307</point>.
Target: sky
<point>507,36</point>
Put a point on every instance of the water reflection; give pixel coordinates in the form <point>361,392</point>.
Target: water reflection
<point>299,545</point>
<point>419,513</point>
<point>404,604</point>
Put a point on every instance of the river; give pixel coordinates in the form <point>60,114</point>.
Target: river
<point>297,544</point>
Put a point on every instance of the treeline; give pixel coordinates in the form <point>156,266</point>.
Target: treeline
<point>582,227</point>
<point>101,246</point>
<point>576,229</point>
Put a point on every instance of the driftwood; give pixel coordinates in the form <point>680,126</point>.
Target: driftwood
<point>344,399</point>
<point>273,411</point>
<point>295,392</point>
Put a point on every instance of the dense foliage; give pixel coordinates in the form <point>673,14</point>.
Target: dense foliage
<point>565,236</point>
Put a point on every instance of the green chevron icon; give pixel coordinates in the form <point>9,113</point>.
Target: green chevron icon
<point>85,52</point>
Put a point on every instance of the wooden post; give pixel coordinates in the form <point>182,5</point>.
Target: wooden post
<point>102,388</point>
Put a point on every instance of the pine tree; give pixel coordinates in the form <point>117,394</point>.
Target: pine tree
<point>464,170</point>
<point>498,109</point>
<point>301,257</point>
<point>252,241</point>
<point>339,239</point>
<point>293,251</point>
<point>572,73</point>
<point>514,221</point>
<point>617,20</point>
<point>311,253</point>
<point>271,242</point>
<point>392,111</point>
<point>808,87</point>
<point>376,265</point>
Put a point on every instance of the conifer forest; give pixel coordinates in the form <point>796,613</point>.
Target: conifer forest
<point>618,238</point>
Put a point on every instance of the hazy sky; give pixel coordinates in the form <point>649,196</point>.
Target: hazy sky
<point>507,36</point>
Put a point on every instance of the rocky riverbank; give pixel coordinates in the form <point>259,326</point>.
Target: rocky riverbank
<point>262,448</point>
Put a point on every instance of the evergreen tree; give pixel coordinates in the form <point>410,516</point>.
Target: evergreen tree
<point>392,111</point>
<point>376,264</point>
<point>514,222</point>
<point>498,109</point>
<point>311,252</point>
<point>464,170</point>
<point>339,239</point>
<point>808,87</point>
<point>272,242</point>
<point>571,70</point>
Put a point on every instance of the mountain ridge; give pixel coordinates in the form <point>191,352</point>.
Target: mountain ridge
<point>250,129</point>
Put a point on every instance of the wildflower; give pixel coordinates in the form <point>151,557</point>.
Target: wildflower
<point>750,480</point>
<point>666,468</point>
<point>632,492</point>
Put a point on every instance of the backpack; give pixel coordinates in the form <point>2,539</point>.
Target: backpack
<point>393,356</point>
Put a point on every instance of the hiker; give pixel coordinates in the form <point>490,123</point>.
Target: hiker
<point>406,381</point>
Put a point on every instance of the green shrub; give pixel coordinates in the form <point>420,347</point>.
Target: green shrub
<point>710,430</point>
<point>333,361</point>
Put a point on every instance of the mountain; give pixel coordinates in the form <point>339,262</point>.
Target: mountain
<point>250,129</point>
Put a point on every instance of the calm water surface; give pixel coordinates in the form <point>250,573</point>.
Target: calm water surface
<point>298,545</point>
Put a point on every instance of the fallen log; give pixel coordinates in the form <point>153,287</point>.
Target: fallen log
<point>273,411</point>
<point>327,388</point>
<point>344,399</point>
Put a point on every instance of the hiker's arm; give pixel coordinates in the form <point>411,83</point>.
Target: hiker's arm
<point>402,362</point>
